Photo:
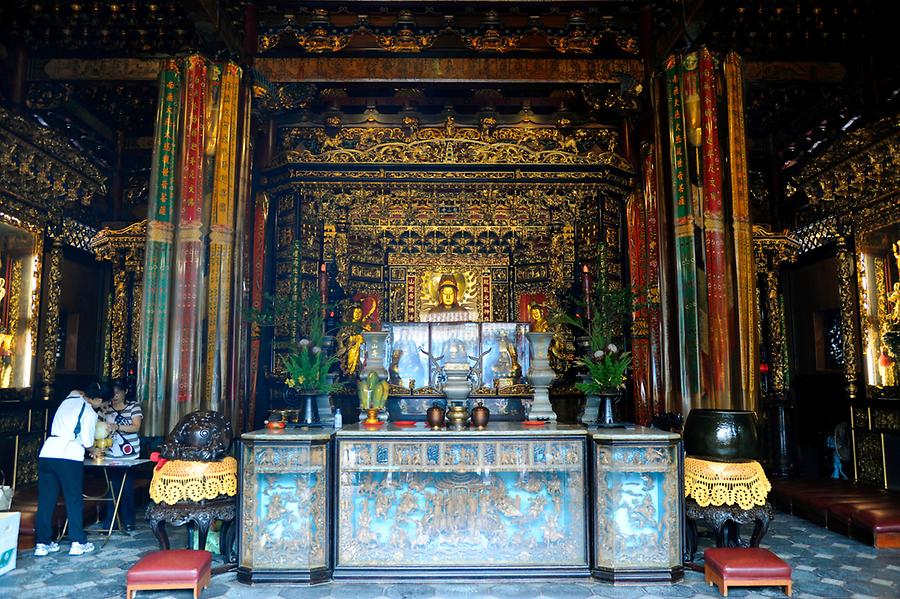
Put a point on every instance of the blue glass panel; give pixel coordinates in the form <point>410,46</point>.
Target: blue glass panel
<point>459,506</point>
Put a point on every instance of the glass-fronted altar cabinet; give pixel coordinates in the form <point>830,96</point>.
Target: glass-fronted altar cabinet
<point>512,500</point>
<point>417,352</point>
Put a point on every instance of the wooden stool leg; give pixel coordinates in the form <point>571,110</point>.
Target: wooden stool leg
<point>787,588</point>
<point>159,531</point>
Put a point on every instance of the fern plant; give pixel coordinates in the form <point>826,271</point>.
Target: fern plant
<point>610,307</point>
<point>305,362</point>
<point>607,369</point>
<point>307,367</point>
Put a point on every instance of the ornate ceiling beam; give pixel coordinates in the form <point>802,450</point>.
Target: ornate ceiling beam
<point>448,69</point>
<point>860,169</point>
<point>213,25</point>
<point>815,72</point>
<point>366,69</point>
<point>44,168</point>
<point>99,69</point>
<point>424,69</point>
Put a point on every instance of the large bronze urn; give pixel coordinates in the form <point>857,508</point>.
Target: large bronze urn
<point>721,435</point>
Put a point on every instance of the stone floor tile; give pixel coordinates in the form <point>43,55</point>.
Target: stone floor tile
<point>357,591</point>
<point>409,590</point>
<point>319,591</point>
<point>854,570</point>
<point>617,592</point>
<point>561,590</point>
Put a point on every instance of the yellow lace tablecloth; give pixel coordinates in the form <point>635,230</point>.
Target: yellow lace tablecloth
<point>181,480</point>
<point>725,483</point>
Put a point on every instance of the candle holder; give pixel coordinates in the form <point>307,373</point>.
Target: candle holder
<point>101,445</point>
<point>372,416</point>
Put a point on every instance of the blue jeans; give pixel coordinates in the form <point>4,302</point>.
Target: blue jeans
<point>126,507</point>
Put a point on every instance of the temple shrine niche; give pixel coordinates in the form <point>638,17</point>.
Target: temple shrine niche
<point>485,290</point>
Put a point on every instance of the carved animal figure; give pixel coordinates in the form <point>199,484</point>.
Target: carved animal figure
<point>201,436</point>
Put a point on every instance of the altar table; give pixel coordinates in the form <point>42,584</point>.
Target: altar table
<point>511,501</point>
<point>507,501</point>
<point>284,521</point>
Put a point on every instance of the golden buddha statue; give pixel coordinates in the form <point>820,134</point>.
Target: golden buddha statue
<point>539,322</point>
<point>394,370</point>
<point>893,299</point>
<point>515,369</point>
<point>447,308</point>
<point>350,341</point>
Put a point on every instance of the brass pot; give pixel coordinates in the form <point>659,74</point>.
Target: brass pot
<point>435,417</point>
<point>480,417</point>
<point>457,416</point>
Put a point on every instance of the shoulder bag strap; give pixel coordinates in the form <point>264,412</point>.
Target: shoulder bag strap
<point>77,430</point>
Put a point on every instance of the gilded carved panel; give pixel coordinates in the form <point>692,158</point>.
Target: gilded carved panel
<point>885,419</point>
<point>861,418</point>
<point>492,503</point>
<point>27,458</point>
<point>869,458</point>
<point>451,144</point>
<point>14,421</point>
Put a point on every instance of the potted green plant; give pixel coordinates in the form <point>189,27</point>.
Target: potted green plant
<point>306,364</point>
<point>602,336</point>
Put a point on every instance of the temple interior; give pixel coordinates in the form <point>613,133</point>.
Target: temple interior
<point>392,299</point>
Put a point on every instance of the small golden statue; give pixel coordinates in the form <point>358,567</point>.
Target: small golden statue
<point>515,369</point>
<point>539,324</point>
<point>893,298</point>
<point>507,370</point>
<point>394,369</point>
<point>350,341</point>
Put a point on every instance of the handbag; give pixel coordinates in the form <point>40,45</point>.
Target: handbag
<point>6,493</point>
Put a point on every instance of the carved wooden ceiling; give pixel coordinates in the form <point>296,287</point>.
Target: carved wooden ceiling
<point>599,28</point>
<point>91,28</point>
<point>821,67</point>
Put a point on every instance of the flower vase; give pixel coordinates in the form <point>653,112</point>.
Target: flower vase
<point>372,416</point>
<point>606,412</point>
<point>309,412</point>
<point>540,375</point>
<point>375,353</point>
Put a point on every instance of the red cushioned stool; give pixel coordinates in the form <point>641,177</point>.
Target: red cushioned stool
<point>170,569</point>
<point>745,567</point>
<point>877,526</point>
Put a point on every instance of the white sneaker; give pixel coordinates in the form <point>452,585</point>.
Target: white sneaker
<point>80,548</point>
<point>40,550</point>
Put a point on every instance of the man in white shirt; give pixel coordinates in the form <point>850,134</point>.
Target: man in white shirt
<point>61,466</point>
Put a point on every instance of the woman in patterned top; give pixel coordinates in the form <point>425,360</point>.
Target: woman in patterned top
<point>123,421</point>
